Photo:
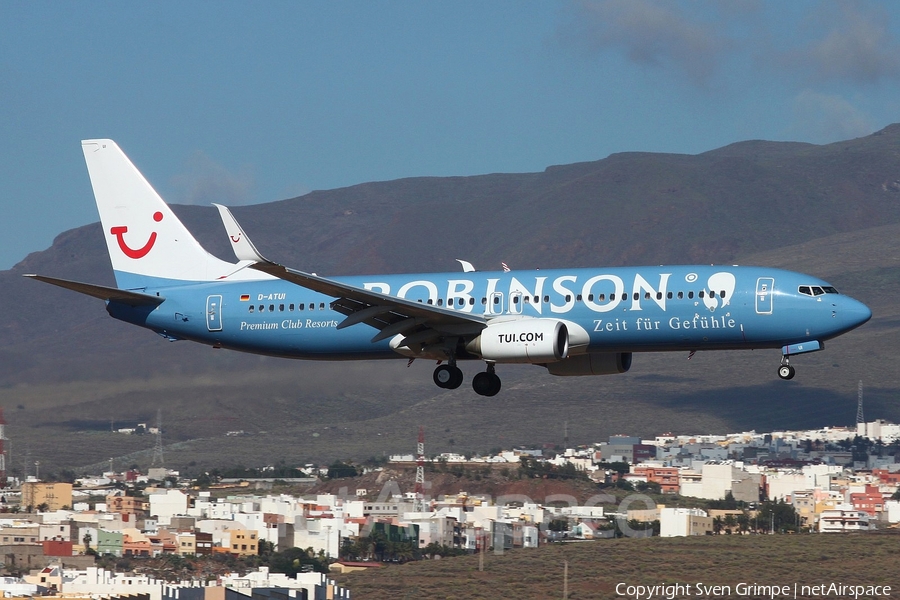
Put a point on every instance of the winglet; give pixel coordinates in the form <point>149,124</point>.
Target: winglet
<point>467,267</point>
<point>240,243</point>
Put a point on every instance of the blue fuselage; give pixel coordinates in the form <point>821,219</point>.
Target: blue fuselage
<point>629,309</point>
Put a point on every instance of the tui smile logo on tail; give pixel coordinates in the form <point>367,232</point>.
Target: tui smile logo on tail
<point>130,252</point>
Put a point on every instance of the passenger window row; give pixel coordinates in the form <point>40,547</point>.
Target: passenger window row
<point>290,307</point>
<point>578,298</point>
<point>536,299</point>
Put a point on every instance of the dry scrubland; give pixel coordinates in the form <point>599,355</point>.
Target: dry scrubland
<point>595,568</point>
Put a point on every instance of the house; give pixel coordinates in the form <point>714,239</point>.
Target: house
<point>57,548</point>
<point>53,496</point>
<point>55,531</point>
<point>50,577</point>
<point>204,543</point>
<point>186,543</point>
<point>135,543</point>
<point>843,518</point>
<point>666,477</point>
<point>110,542</point>
<point>683,522</point>
<point>870,501</point>
<point>165,504</point>
<point>243,542</point>
<point>587,530</point>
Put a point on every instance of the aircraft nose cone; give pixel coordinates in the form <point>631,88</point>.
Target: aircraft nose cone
<point>855,313</point>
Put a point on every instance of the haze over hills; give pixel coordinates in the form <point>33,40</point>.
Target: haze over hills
<point>68,371</point>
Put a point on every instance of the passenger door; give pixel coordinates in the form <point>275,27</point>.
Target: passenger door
<point>764,287</point>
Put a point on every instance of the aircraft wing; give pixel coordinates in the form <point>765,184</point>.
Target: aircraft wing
<point>100,291</point>
<point>419,323</point>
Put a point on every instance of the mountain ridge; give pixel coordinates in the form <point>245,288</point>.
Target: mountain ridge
<point>828,210</point>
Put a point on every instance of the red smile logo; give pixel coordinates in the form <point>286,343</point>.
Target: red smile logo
<point>120,232</point>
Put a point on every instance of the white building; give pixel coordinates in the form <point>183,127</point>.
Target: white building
<point>892,511</point>
<point>96,581</point>
<point>683,522</point>
<point>782,484</point>
<point>165,504</point>
<point>316,585</point>
<point>879,430</point>
<point>434,528</point>
<point>717,478</point>
<point>528,512</point>
<point>843,518</point>
<point>531,536</point>
<point>56,531</point>
<point>322,534</point>
<point>13,587</point>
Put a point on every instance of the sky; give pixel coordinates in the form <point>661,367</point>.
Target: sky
<point>250,102</point>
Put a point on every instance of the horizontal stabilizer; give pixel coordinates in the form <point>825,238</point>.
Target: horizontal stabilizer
<point>104,293</point>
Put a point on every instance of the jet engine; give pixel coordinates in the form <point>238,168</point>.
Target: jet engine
<point>522,341</point>
<point>606,363</point>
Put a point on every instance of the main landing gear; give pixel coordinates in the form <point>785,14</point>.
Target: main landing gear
<point>487,383</point>
<point>786,371</point>
<point>450,377</point>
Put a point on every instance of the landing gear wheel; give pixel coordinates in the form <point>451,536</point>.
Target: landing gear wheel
<point>457,378</point>
<point>448,377</point>
<point>486,384</point>
<point>786,372</point>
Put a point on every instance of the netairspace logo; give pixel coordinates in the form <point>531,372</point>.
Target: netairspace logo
<point>750,590</point>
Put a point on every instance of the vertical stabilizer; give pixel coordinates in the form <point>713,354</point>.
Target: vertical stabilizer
<point>145,239</point>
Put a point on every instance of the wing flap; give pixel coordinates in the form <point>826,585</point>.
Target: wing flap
<point>398,308</point>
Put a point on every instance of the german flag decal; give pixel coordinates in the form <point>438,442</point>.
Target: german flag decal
<point>245,297</point>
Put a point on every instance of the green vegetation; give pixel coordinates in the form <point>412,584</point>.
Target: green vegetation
<point>381,546</point>
<point>533,468</point>
<point>339,469</point>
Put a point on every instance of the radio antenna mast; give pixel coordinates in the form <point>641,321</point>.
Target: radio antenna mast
<point>859,404</point>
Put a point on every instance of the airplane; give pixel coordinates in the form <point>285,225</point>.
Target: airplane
<point>572,322</point>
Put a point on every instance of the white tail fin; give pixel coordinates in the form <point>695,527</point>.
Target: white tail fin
<point>144,237</point>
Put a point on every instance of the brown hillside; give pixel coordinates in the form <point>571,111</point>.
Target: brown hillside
<point>68,371</point>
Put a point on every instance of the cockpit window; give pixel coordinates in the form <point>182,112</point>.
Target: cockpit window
<point>816,290</point>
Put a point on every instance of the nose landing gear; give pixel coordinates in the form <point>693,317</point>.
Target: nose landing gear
<point>786,371</point>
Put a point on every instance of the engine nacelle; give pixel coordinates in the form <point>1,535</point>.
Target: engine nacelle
<point>607,363</point>
<point>522,341</point>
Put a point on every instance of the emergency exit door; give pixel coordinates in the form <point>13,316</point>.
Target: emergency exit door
<point>214,313</point>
